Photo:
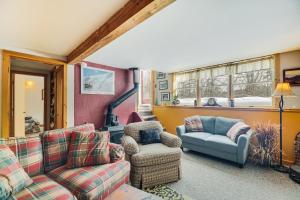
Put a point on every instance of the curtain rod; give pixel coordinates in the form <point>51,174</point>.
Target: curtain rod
<point>223,64</point>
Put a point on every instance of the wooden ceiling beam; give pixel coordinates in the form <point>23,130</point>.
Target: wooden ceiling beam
<point>133,13</point>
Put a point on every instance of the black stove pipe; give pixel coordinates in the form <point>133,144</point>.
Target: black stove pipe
<point>111,119</point>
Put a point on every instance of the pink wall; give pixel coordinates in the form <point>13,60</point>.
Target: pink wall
<point>92,108</point>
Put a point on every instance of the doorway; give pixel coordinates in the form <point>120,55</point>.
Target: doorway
<point>40,80</point>
<point>29,103</point>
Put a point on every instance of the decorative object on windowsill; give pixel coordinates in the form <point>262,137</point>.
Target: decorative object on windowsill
<point>175,100</point>
<point>211,102</point>
<point>231,103</point>
<point>282,89</point>
<point>163,85</point>
<point>161,75</point>
<point>195,103</point>
<point>292,76</point>
<point>295,169</point>
<point>264,144</point>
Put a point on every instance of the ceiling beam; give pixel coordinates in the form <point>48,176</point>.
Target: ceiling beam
<point>133,13</point>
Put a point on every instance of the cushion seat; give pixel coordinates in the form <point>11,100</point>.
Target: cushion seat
<point>221,143</point>
<point>43,188</point>
<point>197,138</point>
<point>155,154</point>
<point>93,182</point>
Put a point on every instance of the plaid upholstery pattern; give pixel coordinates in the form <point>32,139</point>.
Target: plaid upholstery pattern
<point>43,188</point>
<point>5,189</point>
<point>130,145</point>
<point>28,150</point>
<point>116,152</point>
<point>152,164</point>
<point>170,140</point>
<point>155,154</point>
<point>236,130</point>
<point>55,145</point>
<point>11,170</point>
<point>193,124</point>
<point>148,176</point>
<point>94,182</point>
<point>88,149</point>
<point>133,129</point>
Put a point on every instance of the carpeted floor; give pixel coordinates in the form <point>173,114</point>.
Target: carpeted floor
<point>207,178</point>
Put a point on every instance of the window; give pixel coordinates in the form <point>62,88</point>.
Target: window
<point>247,83</point>
<point>252,83</point>
<point>186,87</point>
<point>214,83</point>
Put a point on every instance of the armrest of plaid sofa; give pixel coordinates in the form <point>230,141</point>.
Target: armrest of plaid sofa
<point>130,145</point>
<point>116,152</point>
<point>170,140</point>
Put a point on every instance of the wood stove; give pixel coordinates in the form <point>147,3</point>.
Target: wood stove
<point>111,122</point>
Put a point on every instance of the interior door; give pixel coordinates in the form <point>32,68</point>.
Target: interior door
<point>19,105</point>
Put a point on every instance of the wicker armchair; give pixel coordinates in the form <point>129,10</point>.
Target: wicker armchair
<point>152,164</point>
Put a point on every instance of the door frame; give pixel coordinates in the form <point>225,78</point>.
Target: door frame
<point>12,102</point>
<point>6,86</point>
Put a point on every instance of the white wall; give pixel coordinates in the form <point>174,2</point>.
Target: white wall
<point>34,104</point>
<point>20,105</point>
<point>291,60</point>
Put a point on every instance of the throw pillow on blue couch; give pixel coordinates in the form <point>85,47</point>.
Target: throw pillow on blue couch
<point>223,125</point>
<point>193,124</point>
<point>150,136</point>
<point>208,123</point>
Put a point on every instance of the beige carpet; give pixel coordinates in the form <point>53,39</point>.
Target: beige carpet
<point>207,178</point>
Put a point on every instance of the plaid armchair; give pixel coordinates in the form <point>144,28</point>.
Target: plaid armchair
<point>152,164</point>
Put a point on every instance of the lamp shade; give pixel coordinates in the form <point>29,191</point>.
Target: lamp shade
<point>283,89</point>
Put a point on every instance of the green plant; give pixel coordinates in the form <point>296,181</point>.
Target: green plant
<point>175,100</point>
<point>264,144</point>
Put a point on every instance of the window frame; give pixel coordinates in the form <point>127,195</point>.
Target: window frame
<point>232,67</point>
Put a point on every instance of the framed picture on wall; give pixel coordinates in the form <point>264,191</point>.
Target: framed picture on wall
<point>292,76</point>
<point>161,75</point>
<point>165,96</point>
<point>97,81</point>
<point>163,85</point>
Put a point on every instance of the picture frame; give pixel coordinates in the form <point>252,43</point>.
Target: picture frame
<point>165,96</point>
<point>161,75</point>
<point>292,76</point>
<point>97,81</point>
<point>163,85</point>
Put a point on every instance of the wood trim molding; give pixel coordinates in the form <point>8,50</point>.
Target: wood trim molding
<point>133,13</point>
<point>277,72</point>
<point>257,109</point>
<point>6,100</point>
<point>5,95</point>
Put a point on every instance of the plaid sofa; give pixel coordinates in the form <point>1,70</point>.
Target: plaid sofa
<point>44,157</point>
<point>152,164</point>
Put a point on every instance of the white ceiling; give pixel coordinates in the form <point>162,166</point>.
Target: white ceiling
<point>52,26</point>
<point>192,33</point>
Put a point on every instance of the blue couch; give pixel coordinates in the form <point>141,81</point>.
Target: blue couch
<point>213,140</point>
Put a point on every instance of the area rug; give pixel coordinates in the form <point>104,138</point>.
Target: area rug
<point>166,193</point>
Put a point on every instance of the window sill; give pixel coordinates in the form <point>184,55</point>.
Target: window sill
<point>270,109</point>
